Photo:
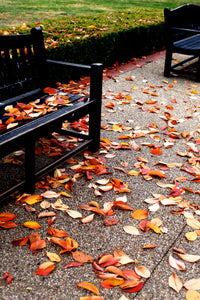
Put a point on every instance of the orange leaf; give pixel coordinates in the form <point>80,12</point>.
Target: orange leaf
<point>56,232</point>
<point>121,205</point>
<point>49,91</point>
<point>157,173</point>
<point>20,242</point>
<point>149,246</point>
<point>109,283</point>
<point>88,286</point>
<point>140,214</point>
<point>32,225</point>
<point>8,225</point>
<point>45,268</point>
<point>156,151</point>
<point>107,260</point>
<point>7,216</point>
<point>37,245</point>
<point>33,199</point>
<point>115,270</point>
<point>91,298</point>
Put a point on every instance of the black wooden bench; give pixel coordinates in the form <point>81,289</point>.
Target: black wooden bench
<point>24,72</point>
<point>182,36</point>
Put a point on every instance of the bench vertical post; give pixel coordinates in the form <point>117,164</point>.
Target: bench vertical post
<point>30,166</point>
<point>95,116</point>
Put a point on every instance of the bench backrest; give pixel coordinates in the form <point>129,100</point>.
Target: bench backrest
<point>183,21</point>
<point>22,63</point>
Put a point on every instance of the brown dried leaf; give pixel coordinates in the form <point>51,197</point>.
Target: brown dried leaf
<point>82,257</point>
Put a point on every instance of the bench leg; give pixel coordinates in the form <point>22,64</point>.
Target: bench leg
<point>95,113</point>
<point>30,167</point>
<point>198,70</point>
<point>168,61</point>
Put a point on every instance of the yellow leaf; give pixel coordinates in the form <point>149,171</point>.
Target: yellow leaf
<point>32,225</point>
<point>53,256</point>
<point>192,295</point>
<point>33,199</point>
<point>191,236</point>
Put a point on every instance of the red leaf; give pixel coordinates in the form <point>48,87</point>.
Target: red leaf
<point>8,277</point>
<point>45,268</point>
<point>20,242</point>
<point>72,264</point>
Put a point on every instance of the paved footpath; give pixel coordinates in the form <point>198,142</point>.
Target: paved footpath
<point>151,125</point>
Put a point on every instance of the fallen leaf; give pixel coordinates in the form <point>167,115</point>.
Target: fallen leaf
<point>142,271</point>
<point>32,225</point>
<point>189,257</point>
<point>72,264</point>
<point>88,286</point>
<point>44,214</point>
<point>140,214</point>
<point>191,236</point>
<point>111,282</point>
<point>192,295</point>
<point>192,284</point>
<point>107,260</point>
<point>82,257</point>
<point>45,268</point>
<point>131,286</point>
<point>91,298</point>
<point>56,232</point>
<point>30,200</point>
<point>193,223</point>
<point>8,277</point>
<point>87,219</point>
<point>176,264</point>
<point>122,257</point>
<point>110,222</point>
<point>53,256</point>
<point>175,283</point>
<point>7,216</point>
<point>74,214</point>
<point>131,230</point>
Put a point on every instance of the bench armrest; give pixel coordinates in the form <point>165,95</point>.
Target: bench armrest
<point>67,64</point>
<point>197,31</point>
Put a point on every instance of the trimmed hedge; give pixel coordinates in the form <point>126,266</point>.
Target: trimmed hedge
<point>105,37</point>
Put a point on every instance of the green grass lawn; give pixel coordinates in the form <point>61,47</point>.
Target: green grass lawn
<point>17,12</point>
